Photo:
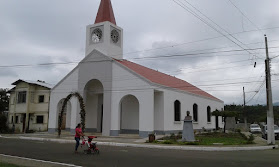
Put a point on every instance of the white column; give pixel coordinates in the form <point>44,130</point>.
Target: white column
<point>146,113</point>
<point>52,120</point>
<point>107,113</point>
<point>115,115</point>
<point>75,117</point>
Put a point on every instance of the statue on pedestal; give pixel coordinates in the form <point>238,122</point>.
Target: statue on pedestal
<point>188,131</point>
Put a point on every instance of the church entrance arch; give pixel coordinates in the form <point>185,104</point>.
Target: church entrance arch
<point>94,99</point>
<point>129,115</point>
<point>66,120</point>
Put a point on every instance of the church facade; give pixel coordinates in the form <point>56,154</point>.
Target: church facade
<point>122,97</point>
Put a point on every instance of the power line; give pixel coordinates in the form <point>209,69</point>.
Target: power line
<point>151,57</point>
<point>246,17</point>
<point>208,24</point>
<point>121,89</point>
<point>191,42</point>
<point>256,92</point>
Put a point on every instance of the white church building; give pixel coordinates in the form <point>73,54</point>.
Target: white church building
<point>122,97</point>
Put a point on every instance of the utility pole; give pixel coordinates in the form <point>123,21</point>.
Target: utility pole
<point>270,116</point>
<point>244,112</point>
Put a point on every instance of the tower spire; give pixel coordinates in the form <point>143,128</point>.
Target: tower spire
<point>105,12</point>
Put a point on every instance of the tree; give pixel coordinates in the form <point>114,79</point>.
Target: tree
<point>3,123</point>
<point>4,100</point>
<point>254,114</point>
<point>225,114</point>
<point>4,106</point>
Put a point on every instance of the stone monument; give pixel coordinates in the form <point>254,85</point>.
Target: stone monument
<point>188,131</point>
<point>230,123</point>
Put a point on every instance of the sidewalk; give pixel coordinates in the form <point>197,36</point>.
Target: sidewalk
<point>133,141</point>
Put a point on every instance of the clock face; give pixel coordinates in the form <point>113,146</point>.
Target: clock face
<point>97,35</point>
<point>114,36</point>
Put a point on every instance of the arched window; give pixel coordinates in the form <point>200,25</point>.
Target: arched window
<point>177,110</point>
<point>195,112</point>
<point>208,114</point>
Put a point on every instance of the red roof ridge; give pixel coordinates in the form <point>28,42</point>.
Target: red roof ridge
<point>105,12</point>
<point>164,79</point>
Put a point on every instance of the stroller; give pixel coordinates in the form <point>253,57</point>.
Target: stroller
<point>91,146</point>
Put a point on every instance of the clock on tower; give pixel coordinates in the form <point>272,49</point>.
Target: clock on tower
<point>105,36</point>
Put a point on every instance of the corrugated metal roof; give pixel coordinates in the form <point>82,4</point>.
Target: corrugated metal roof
<point>38,82</point>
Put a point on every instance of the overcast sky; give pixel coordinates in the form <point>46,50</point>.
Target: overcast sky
<point>210,41</point>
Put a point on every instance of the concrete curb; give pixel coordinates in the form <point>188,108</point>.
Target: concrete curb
<point>187,148</point>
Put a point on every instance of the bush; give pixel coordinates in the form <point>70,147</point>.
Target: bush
<point>155,141</point>
<point>250,139</point>
<point>168,142</point>
<point>243,136</point>
<point>172,136</point>
<point>238,130</point>
<point>188,143</point>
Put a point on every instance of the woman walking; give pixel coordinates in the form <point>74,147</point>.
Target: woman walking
<point>77,136</point>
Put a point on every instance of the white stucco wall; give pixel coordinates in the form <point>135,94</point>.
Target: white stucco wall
<point>96,66</point>
<point>91,111</point>
<point>60,91</point>
<point>129,113</point>
<point>128,83</point>
<point>187,101</point>
<point>159,111</point>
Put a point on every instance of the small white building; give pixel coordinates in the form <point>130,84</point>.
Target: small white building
<point>29,105</point>
<point>124,97</point>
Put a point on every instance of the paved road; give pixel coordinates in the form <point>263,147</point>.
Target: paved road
<point>137,157</point>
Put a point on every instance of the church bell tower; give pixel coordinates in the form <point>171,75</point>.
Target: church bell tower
<point>105,36</point>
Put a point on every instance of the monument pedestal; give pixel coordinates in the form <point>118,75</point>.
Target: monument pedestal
<point>188,131</point>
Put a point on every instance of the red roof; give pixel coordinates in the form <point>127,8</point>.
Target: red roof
<point>105,12</point>
<point>164,79</point>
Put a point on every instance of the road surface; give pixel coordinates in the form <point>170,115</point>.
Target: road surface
<point>135,157</point>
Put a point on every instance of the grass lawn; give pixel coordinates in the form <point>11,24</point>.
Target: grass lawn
<point>210,139</point>
<point>8,165</point>
<point>224,138</point>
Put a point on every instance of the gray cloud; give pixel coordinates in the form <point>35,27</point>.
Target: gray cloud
<point>34,32</point>
<point>6,72</point>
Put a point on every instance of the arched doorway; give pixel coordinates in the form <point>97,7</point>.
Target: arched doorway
<point>129,115</point>
<point>93,97</point>
<point>66,123</point>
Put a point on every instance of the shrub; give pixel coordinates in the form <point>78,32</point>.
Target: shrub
<point>250,139</point>
<point>243,136</point>
<point>168,142</point>
<point>238,130</point>
<point>155,141</point>
<point>172,136</point>
<point>188,143</point>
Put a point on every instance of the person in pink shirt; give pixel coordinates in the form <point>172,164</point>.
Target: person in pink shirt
<point>77,136</point>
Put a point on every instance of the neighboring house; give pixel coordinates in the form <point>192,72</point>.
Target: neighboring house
<point>124,97</point>
<point>28,106</point>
